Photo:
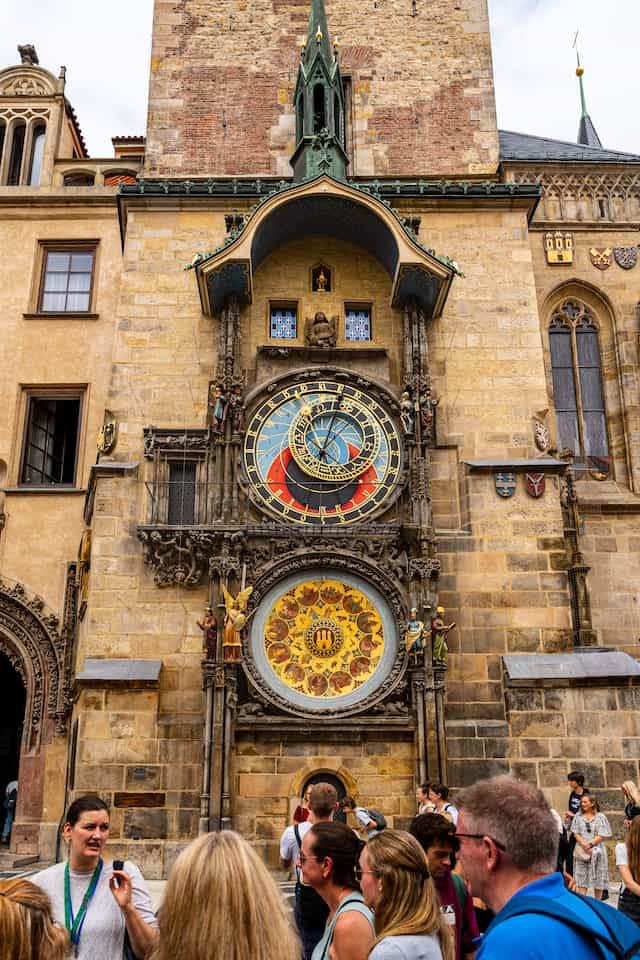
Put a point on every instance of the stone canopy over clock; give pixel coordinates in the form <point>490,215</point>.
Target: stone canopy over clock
<point>323,641</point>
<point>322,452</point>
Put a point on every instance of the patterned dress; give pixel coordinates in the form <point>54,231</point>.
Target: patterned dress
<point>593,872</point>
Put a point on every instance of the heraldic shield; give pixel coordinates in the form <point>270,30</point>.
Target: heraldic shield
<point>505,484</point>
<point>626,257</point>
<point>534,484</point>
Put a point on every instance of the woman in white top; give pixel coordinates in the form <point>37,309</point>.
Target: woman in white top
<point>628,863</point>
<point>95,902</point>
<point>396,884</point>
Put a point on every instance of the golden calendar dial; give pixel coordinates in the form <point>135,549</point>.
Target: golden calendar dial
<point>322,452</point>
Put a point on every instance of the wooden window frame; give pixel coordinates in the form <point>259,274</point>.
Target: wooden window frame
<point>66,246</point>
<point>52,393</point>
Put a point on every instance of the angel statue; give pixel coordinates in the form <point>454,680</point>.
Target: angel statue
<point>234,622</point>
<point>414,637</point>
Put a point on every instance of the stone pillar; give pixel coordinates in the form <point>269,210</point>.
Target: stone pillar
<point>439,672</point>
<point>208,670</point>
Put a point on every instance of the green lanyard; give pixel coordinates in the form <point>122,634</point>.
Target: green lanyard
<point>74,924</point>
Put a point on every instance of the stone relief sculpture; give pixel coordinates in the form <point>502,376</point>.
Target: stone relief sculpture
<point>320,331</point>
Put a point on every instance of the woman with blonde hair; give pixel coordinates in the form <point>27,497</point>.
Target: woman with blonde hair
<point>631,801</point>
<point>221,903</point>
<point>396,884</point>
<point>628,863</point>
<point>27,929</point>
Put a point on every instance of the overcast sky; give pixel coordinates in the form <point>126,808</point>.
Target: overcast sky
<point>105,47</point>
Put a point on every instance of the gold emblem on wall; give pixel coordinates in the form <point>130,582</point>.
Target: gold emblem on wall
<point>107,434</point>
<point>558,247</point>
<point>324,638</point>
<point>601,257</point>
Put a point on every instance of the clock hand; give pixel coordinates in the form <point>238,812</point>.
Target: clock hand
<point>322,452</point>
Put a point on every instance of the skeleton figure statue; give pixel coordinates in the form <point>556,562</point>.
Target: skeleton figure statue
<point>234,622</point>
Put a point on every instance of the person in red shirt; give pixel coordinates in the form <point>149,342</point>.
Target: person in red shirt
<point>437,837</point>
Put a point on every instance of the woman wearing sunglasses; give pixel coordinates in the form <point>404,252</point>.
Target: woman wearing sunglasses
<point>397,886</point>
<point>328,862</point>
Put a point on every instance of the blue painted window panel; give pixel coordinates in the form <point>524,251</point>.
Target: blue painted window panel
<point>284,323</point>
<point>358,324</point>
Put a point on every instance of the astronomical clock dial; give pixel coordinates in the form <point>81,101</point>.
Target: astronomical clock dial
<point>322,452</point>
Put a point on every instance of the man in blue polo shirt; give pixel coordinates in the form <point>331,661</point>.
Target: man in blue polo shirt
<point>508,849</point>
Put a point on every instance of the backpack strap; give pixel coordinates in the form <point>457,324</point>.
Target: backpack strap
<point>545,906</point>
<point>299,842</point>
<point>460,889</point>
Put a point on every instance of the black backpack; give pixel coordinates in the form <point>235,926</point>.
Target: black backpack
<point>378,818</point>
<point>311,908</point>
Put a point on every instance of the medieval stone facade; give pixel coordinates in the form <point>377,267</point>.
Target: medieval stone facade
<point>348,351</point>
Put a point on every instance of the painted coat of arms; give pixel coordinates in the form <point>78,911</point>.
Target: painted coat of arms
<point>505,484</point>
<point>626,257</point>
<point>534,484</point>
<point>601,257</point>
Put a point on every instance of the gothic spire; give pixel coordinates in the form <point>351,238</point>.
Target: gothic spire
<point>587,134</point>
<point>319,102</point>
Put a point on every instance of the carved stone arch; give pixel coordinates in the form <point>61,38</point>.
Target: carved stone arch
<point>30,639</point>
<point>27,81</point>
<point>609,336</point>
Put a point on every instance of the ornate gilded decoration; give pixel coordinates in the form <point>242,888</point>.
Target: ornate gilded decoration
<point>322,452</point>
<point>558,247</point>
<point>324,638</point>
<point>234,622</point>
<point>107,434</point>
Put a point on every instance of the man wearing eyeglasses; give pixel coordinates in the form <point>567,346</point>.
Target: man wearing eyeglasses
<point>508,848</point>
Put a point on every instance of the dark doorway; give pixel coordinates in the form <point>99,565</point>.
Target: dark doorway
<point>11,722</point>
<point>335,782</point>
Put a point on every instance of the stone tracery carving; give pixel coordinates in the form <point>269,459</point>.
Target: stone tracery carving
<point>41,654</point>
<point>586,196</point>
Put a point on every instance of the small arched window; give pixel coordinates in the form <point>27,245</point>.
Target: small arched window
<point>577,384</point>
<point>3,130</point>
<point>300,118</point>
<point>337,119</point>
<point>319,109</point>
<point>37,153</point>
<point>17,148</point>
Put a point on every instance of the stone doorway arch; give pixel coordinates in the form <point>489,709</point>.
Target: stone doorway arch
<point>323,776</point>
<point>40,655</point>
<point>340,777</point>
<point>14,697</point>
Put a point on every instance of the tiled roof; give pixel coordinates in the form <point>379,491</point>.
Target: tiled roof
<point>126,139</point>
<point>523,147</point>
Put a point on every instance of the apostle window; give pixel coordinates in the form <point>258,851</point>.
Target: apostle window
<point>67,279</point>
<point>51,440</point>
<point>577,385</point>
<point>283,322</point>
<point>357,322</point>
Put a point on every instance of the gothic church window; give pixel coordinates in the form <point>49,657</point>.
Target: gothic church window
<point>18,132</point>
<point>51,440</point>
<point>577,382</point>
<point>319,109</point>
<point>67,280</point>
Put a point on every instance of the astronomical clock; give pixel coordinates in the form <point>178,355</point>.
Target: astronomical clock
<point>322,452</point>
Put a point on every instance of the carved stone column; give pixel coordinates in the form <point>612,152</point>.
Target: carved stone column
<point>439,672</point>
<point>230,707</point>
<point>208,672</point>
<point>217,749</point>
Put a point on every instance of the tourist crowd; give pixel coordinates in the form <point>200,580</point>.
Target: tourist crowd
<point>497,875</point>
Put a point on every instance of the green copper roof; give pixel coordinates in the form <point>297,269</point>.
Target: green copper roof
<point>318,22</point>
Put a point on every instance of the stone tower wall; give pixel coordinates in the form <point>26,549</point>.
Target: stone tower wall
<point>420,87</point>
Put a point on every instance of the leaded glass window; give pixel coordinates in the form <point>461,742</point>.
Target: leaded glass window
<point>357,325</point>
<point>577,383</point>
<point>284,323</point>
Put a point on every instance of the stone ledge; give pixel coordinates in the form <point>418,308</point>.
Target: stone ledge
<point>120,672</point>
<point>517,465</point>
<point>570,669</point>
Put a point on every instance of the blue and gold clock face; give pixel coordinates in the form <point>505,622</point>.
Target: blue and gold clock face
<point>322,453</point>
